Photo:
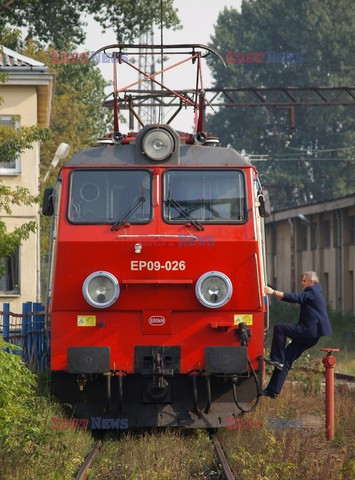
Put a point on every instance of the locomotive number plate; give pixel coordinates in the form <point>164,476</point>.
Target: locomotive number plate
<point>151,265</point>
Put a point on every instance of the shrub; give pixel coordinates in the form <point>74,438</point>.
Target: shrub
<point>29,447</point>
<point>17,387</point>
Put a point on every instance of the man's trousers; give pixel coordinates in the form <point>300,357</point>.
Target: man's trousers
<point>286,355</point>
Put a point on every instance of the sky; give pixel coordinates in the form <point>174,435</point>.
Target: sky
<point>198,18</point>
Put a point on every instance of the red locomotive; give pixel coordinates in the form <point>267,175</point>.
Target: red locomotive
<point>156,305</point>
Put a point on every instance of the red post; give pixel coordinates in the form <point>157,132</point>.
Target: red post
<point>329,361</point>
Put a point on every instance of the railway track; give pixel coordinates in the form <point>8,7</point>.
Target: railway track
<point>337,375</point>
<point>84,470</point>
<point>227,472</point>
<point>345,376</point>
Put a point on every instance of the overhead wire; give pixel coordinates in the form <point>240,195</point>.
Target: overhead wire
<point>320,150</point>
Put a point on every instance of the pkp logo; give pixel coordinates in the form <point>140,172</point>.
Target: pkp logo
<point>157,321</point>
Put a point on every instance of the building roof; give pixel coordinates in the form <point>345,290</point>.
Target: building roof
<point>23,71</point>
<point>312,208</point>
<point>9,59</point>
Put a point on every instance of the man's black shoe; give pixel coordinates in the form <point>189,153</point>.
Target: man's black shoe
<point>274,363</point>
<point>266,393</point>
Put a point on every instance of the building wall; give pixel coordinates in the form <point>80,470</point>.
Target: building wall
<point>318,237</point>
<point>22,101</point>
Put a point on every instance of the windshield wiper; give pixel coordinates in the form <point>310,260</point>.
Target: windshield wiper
<point>185,212</point>
<point>139,201</point>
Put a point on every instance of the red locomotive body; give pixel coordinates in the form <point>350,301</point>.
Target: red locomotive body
<point>157,312</point>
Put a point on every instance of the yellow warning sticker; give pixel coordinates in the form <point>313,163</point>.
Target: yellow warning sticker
<point>86,320</point>
<point>246,318</point>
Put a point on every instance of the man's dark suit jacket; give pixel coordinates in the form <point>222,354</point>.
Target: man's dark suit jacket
<point>313,321</point>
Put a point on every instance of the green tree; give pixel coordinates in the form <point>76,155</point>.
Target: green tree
<point>323,33</point>
<point>78,118</point>
<point>60,23</point>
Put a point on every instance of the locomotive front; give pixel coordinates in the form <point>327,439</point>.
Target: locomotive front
<point>156,306</point>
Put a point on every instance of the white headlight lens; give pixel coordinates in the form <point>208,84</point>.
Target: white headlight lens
<point>158,144</point>
<point>214,289</point>
<point>101,289</point>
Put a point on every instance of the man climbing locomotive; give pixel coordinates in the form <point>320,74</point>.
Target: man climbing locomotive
<point>313,323</point>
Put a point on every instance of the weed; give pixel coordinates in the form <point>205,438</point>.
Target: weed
<point>169,454</point>
<point>294,454</point>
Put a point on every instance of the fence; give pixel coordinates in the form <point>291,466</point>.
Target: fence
<point>27,331</point>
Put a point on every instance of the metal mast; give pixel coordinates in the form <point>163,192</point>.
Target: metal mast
<point>146,63</point>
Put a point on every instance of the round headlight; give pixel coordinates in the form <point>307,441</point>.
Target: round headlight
<point>214,289</point>
<point>158,144</point>
<point>101,289</point>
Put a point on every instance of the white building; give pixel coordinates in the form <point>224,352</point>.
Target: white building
<point>27,100</point>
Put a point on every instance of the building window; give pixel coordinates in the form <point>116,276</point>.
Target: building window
<point>352,229</point>
<point>326,287</point>
<point>13,167</point>
<point>314,235</point>
<point>273,239</point>
<point>326,234</point>
<point>9,274</point>
<point>351,292</point>
<point>302,237</point>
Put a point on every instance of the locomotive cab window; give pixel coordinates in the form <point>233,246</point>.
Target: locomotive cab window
<point>105,196</point>
<point>208,196</point>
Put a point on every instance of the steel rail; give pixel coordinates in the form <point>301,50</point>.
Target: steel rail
<point>84,470</point>
<point>224,462</point>
<point>345,376</point>
<point>338,375</point>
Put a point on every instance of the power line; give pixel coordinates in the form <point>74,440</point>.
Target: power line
<point>320,150</point>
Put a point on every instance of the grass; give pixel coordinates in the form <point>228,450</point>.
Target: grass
<point>254,454</point>
<point>295,454</point>
<point>165,455</point>
<point>45,453</point>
